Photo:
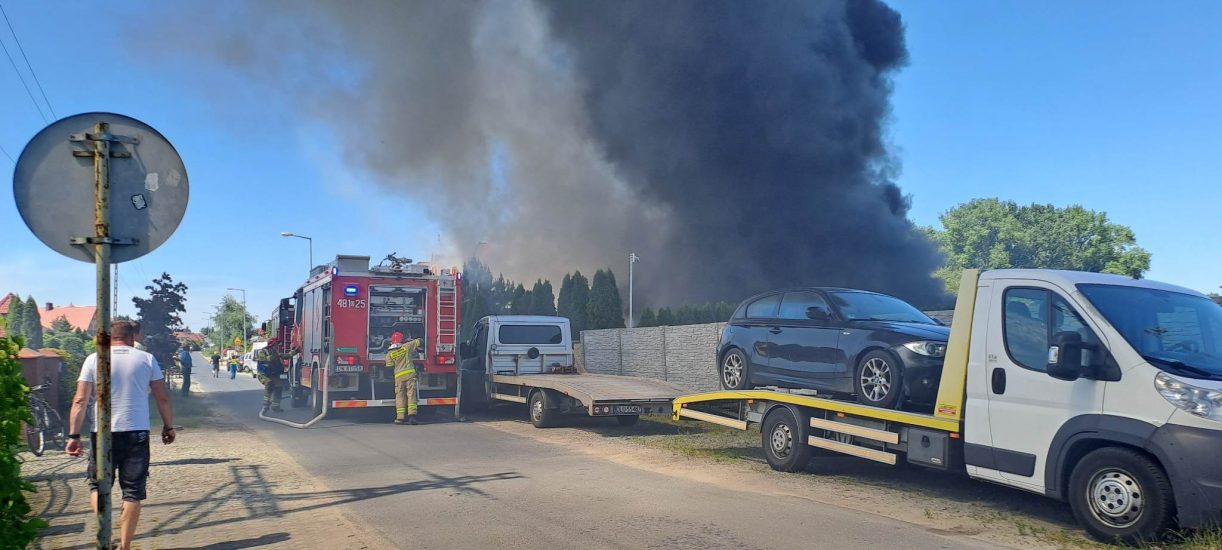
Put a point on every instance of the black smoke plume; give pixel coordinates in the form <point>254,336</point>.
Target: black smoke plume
<point>736,146</point>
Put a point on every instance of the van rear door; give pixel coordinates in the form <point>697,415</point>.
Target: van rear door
<point>515,339</point>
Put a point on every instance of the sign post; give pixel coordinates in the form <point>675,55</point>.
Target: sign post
<point>66,171</point>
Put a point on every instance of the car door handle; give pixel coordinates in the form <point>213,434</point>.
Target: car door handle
<point>999,381</point>
<point>775,330</point>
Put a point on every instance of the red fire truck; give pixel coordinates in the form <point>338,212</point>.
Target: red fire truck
<point>345,315</point>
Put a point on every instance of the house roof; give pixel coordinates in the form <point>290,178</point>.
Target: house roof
<point>27,353</point>
<point>193,336</point>
<point>80,317</point>
<point>5,301</point>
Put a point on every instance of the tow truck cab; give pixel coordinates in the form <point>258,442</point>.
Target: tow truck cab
<point>1101,390</point>
<point>1066,365</point>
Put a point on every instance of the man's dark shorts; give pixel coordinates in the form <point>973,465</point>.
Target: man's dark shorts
<point>129,452</point>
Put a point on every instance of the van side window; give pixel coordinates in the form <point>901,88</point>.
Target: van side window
<point>1026,327</point>
<point>764,307</point>
<point>1028,331</point>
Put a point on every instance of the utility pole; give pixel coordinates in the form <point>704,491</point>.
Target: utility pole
<point>632,259</point>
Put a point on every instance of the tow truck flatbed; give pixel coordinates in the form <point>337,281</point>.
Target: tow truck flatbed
<point>598,394</point>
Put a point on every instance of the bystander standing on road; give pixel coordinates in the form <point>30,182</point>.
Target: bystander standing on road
<point>216,365</point>
<point>184,363</point>
<point>233,368</point>
<point>134,374</point>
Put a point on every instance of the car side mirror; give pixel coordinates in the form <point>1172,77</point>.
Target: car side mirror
<point>1065,356</point>
<point>817,313</point>
<point>466,350</point>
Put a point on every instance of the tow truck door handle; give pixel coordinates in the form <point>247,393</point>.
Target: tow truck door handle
<point>775,330</point>
<point>999,381</point>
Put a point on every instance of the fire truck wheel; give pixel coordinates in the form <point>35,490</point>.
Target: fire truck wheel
<point>316,396</point>
<point>542,415</point>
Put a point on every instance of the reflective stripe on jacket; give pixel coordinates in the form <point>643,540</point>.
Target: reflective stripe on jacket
<point>400,357</point>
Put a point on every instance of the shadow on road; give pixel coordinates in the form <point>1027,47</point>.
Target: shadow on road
<point>193,461</point>
<point>271,538</point>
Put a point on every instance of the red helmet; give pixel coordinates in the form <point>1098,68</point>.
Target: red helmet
<point>396,338</point>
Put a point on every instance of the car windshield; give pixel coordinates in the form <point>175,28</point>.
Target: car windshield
<point>1176,332</point>
<point>866,306</point>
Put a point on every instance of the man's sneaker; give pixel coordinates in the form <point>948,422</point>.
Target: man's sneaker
<point>412,420</point>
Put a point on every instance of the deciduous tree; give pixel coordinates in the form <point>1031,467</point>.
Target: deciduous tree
<point>995,234</point>
<point>159,316</point>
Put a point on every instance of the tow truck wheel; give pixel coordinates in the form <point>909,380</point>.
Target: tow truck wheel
<point>784,441</point>
<point>1121,495</point>
<point>541,413</point>
<point>627,420</point>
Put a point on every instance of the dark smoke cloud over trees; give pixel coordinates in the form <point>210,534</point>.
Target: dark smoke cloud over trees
<point>736,146</point>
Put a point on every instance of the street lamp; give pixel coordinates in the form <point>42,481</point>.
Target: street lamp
<point>245,333</point>
<point>291,234</point>
<point>632,259</point>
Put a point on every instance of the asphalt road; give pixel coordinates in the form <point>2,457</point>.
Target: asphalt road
<point>451,485</point>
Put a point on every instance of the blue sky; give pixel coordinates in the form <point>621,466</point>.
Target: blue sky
<point>1116,109</point>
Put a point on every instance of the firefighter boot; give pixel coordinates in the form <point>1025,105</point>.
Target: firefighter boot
<point>411,419</point>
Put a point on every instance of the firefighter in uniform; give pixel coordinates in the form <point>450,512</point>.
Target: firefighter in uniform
<point>270,376</point>
<point>400,360</point>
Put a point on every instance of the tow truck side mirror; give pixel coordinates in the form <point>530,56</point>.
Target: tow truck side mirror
<point>1065,356</point>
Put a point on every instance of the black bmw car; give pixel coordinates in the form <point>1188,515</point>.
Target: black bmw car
<point>836,340</point>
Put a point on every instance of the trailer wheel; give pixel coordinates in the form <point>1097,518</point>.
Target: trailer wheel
<point>629,420</point>
<point>1121,495</point>
<point>541,413</point>
<point>784,441</point>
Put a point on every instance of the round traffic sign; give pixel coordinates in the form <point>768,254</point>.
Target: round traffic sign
<point>54,184</point>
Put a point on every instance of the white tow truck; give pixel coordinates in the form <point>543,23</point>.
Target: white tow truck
<point>1099,390</point>
<point>529,359</point>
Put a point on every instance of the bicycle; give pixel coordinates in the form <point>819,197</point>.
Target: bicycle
<point>48,425</point>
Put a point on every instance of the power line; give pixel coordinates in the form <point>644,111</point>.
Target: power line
<point>22,78</point>
<point>5,151</point>
<point>27,63</point>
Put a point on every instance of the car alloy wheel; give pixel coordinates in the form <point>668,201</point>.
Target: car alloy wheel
<point>732,370</point>
<point>876,379</point>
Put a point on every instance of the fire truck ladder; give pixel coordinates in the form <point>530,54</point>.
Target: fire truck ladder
<point>447,315</point>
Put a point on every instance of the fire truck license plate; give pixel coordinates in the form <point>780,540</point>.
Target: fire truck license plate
<point>627,409</point>
<point>348,368</point>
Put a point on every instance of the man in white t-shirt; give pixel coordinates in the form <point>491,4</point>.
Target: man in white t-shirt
<point>133,375</point>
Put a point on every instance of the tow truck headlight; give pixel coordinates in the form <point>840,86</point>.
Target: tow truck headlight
<point>1203,402</point>
<point>927,348</point>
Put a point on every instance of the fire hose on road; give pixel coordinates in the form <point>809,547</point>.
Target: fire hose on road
<point>300,425</point>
